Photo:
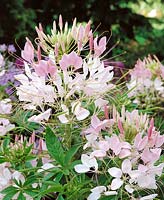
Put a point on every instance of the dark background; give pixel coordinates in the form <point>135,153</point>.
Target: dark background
<point>136,32</point>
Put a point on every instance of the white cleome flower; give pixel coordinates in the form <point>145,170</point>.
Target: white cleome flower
<point>33,89</point>
<point>88,163</point>
<point>41,117</point>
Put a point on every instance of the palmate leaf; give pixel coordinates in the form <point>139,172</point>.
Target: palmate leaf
<point>51,189</point>
<point>21,196</point>
<point>54,147</point>
<point>10,192</point>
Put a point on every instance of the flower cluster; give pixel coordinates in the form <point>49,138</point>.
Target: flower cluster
<point>69,107</point>
<point>146,82</point>
<point>132,146</point>
<point>61,77</point>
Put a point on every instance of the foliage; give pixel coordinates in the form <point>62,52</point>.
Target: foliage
<point>78,126</point>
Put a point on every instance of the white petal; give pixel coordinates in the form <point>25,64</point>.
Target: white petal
<point>100,103</point>
<point>110,193</point>
<point>81,168</point>
<point>94,196</point>
<point>39,118</point>
<point>147,181</point>
<point>98,189</point>
<point>47,166</point>
<point>18,176</point>
<point>7,174</point>
<point>115,172</point>
<point>82,114</point>
<point>63,119</point>
<point>116,183</point>
<point>129,189</point>
<point>149,197</point>
<point>89,161</point>
<point>126,166</point>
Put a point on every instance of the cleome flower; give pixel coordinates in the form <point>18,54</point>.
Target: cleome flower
<point>33,89</point>
<point>58,75</point>
<point>146,82</point>
<point>88,164</point>
<point>133,164</point>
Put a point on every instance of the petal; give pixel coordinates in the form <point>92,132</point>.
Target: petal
<point>116,183</point>
<point>81,168</point>
<point>98,153</point>
<point>124,153</point>
<point>115,172</point>
<point>129,189</point>
<point>63,119</point>
<point>149,197</point>
<point>126,166</point>
<point>110,193</point>
<point>82,114</point>
<point>39,118</point>
<point>98,189</point>
<point>94,196</point>
<point>89,161</point>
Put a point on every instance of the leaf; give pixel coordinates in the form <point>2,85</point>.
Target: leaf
<point>6,142</point>
<point>2,160</point>
<point>9,189</point>
<point>70,153</point>
<point>58,178</point>
<point>54,146</point>
<point>30,180</point>
<point>10,195</point>
<point>55,188</point>
<point>31,192</point>
<point>60,197</point>
<point>141,40</point>
<point>21,196</point>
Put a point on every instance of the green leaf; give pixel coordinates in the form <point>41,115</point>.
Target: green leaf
<point>2,160</point>
<point>58,178</point>
<point>54,146</point>
<point>9,189</point>
<point>10,195</point>
<point>31,192</point>
<point>6,142</point>
<point>70,153</point>
<point>30,180</point>
<point>21,196</point>
<point>141,40</point>
<point>60,197</point>
<point>55,188</point>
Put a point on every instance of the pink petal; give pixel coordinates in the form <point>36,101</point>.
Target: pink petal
<point>98,153</point>
<point>28,52</point>
<point>124,153</point>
